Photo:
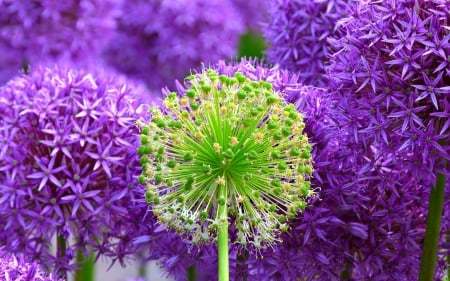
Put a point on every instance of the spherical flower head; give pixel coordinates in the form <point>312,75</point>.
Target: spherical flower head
<point>69,163</point>
<point>17,268</point>
<point>161,40</point>
<point>35,31</point>
<point>228,140</point>
<point>392,60</point>
<point>297,32</point>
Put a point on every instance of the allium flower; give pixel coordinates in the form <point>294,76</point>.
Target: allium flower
<point>68,165</point>
<point>16,268</point>
<point>391,64</point>
<point>393,59</point>
<point>227,141</point>
<point>297,34</point>
<point>161,40</point>
<point>33,31</point>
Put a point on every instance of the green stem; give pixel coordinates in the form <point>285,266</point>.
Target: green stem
<point>191,273</point>
<point>348,271</point>
<point>61,253</point>
<point>143,270</point>
<point>448,257</point>
<point>430,247</point>
<point>86,270</point>
<point>222,239</point>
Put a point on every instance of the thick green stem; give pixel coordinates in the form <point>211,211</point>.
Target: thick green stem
<point>430,247</point>
<point>222,239</point>
<point>191,273</point>
<point>61,253</point>
<point>86,270</point>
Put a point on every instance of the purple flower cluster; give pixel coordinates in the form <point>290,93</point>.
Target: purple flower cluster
<point>391,67</point>
<point>16,268</point>
<point>160,41</point>
<point>33,31</point>
<point>393,62</point>
<point>364,225</point>
<point>297,35</point>
<point>69,166</point>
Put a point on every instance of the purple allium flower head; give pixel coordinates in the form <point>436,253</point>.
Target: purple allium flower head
<point>297,32</point>
<point>161,40</point>
<point>365,225</point>
<point>34,31</point>
<point>16,268</point>
<point>68,165</point>
<point>392,61</point>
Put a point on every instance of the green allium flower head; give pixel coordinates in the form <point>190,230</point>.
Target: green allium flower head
<point>226,141</point>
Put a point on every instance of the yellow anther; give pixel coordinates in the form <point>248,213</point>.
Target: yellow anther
<point>287,186</point>
<point>184,101</point>
<point>220,181</point>
<point>150,188</point>
<point>276,109</point>
<point>139,123</point>
<point>176,141</point>
<point>234,141</point>
<point>199,135</point>
<point>259,137</point>
<point>223,110</point>
<point>216,147</point>
<point>295,129</point>
<point>289,173</point>
<point>209,106</point>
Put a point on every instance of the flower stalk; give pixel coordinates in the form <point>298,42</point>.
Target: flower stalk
<point>430,247</point>
<point>61,253</point>
<point>86,269</point>
<point>222,241</point>
<point>191,273</point>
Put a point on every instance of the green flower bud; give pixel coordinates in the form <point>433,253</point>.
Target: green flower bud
<point>145,131</point>
<point>190,93</point>
<point>241,94</point>
<point>171,164</point>
<point>194,105</point>
<point>188,156</point>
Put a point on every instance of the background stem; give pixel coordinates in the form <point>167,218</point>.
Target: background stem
<point>86,270</point>
<point>191,273</point>
<point>142,270</point>
<point>222,239</point>
<point>61,253</point>
<point>430,246</point>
